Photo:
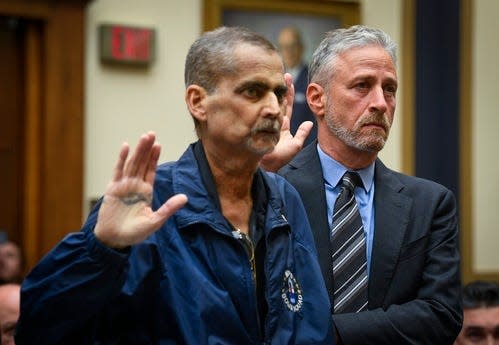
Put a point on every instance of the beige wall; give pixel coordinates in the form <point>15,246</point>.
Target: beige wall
<point>385,15</point>
<point>122,103</point>
<point>485,110</point>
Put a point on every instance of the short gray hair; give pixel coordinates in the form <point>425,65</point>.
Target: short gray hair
<point>322,64</point>
<point>210,57</point>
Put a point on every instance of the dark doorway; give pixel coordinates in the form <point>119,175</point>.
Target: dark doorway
<point>11,126</point>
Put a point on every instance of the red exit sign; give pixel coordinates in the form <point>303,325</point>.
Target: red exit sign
<point>126,44</point>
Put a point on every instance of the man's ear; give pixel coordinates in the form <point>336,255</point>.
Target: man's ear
<point>195,96</point>
<point>316,98</point>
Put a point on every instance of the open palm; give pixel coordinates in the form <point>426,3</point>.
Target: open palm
<point>125,216</point>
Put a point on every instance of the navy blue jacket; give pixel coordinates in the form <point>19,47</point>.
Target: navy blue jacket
<point>189,283</point>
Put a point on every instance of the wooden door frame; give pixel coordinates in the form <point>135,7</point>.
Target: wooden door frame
<point>54,122</point>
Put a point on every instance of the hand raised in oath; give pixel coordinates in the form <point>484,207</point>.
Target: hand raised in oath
<point>125,216</point>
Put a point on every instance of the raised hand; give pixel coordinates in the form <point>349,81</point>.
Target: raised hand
<point>125,216</point>
<point>288,145</point>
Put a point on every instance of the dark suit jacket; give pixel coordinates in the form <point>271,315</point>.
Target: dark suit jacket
<point>301,110</point>
<point>414,280</point>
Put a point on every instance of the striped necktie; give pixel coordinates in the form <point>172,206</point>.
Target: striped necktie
<point>348,243</point>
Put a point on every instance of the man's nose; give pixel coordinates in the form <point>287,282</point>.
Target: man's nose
<point>491,340</point>
<point>378,102</point>
<point>272,104</point>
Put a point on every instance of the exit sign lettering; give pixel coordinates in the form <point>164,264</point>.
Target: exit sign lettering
<point>126,44</point>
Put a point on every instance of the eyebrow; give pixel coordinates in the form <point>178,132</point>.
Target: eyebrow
<point>282,89</point>
<point>261,85</point>
<point>365,76</point>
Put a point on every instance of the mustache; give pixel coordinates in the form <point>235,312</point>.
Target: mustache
<point>378,119</point>
<point>270,126</point>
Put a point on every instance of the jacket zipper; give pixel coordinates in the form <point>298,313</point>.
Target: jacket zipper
<point>250,251</point>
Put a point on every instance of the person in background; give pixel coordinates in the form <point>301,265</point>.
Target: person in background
<point>11,262</point>
<point>9,312</point>
<point>481,314</point>
<point>209,249</point>
<point>405,247</point>
<point>291,46</point>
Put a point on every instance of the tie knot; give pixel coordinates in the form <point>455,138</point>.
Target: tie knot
<point>351,180</point>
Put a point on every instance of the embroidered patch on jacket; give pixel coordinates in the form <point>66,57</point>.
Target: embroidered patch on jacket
<point>291,293</point>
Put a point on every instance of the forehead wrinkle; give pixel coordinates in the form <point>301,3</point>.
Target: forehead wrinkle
<point>377,59</point>
<point>253,64</point>
<point>249,56</point>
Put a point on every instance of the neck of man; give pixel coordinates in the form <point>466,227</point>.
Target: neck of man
<point>233,176</point>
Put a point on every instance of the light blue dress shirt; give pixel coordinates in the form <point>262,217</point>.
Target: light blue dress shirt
<point>333,172</point>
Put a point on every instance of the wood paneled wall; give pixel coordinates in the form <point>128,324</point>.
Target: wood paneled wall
<point>53,121</point>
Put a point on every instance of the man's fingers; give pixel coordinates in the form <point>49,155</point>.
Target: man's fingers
<point>118,169</point>
<point>150,171</point>
<point>135,166</point>
<point>288,78</point>
<point>303,131</point>
<point>285,124</point>
<point>290,96</point>
<point>171,206</point>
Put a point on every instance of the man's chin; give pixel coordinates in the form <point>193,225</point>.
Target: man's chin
<point>262,147</point>
<point>372,146</point>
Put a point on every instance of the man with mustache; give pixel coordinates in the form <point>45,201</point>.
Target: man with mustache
<point>209,249</point>
<point>409,283</point>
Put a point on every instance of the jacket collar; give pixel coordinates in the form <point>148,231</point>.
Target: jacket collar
<point>203,206</point>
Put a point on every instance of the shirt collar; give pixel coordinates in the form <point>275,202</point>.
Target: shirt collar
<point>333,171</point>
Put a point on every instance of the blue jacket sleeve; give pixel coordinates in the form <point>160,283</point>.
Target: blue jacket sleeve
<point>68,288</point>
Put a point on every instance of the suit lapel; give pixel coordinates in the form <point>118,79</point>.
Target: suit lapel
<point>391,220</point>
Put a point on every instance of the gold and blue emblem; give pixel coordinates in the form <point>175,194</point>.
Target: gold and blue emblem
<point>291,292</point>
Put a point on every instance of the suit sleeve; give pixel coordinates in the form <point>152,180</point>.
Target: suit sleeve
<point>434,314</point>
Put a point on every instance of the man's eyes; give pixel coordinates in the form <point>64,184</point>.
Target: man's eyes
<point>363,85</point>
<point>391,89</point>
<point>253,92</point>
<point>475,334</point>
<point>280,94</point>
<point>259,92</point>
<point>387,89</point>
